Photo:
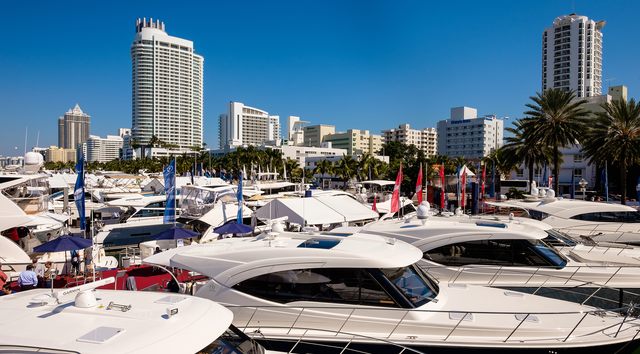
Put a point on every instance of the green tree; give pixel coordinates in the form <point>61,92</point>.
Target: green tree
<point>556,119</point>
<point>614,136</point>
<point>346,168</point>
<point>503,166</point>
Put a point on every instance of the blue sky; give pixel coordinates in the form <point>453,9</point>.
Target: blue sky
<point>356,64</point>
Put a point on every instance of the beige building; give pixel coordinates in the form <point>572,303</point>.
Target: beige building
<point>56,154</point>
<point>73,128</point>
<point>424,139</point>
<point>356,142</point>
<point>314,134</point>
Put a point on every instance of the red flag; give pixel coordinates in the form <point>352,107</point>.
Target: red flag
<point>463,185</point>
<point>374,207</point>
<point>442,193</point>
<point>419,185</point>
<point>484,175</point>
<point>395,197</point>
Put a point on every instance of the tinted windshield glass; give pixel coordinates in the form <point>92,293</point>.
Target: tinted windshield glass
<point>412,283</point>
<point>557,238</point>
<point>610,216</point>
<point>550,254</point>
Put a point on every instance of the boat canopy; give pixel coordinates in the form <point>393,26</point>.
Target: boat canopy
<point>317,210</point>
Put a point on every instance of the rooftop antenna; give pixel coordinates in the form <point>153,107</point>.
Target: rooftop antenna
<point>38,139</point>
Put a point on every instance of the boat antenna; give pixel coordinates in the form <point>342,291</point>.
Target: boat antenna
<point>26,131</point>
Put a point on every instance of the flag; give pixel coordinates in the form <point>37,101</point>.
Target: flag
<point>419,185</point>
<point>463,186</point>
<point>239,197</point>
<point>169,174</point>
<point>458,184</point>
<point>395,197</point>
<point>544,175</point>
<point>492,191</point>
<point>484,176</point>
<point>78,193</point>
<point>374,207</point>
<point>443,192</point>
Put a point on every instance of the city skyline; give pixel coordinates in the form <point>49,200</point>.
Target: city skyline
<point>357,65</point>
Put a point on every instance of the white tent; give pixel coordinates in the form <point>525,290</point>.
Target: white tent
<point>466,171</point>
<point>317,210</point>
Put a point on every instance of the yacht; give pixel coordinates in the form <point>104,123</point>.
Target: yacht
<point>381,191</point>
<point>281,286</point>
<point>85,320</point>
<point>515,254</point>
<point>597,220</point>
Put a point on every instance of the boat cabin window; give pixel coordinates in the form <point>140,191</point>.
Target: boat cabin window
<point>156,205</point>
<point>610,216</point>
<point>145,213</point>
<point>558,239</point>
<point>538,215</point>
<point>497,252</point>
<point>338,285</point>
<point>414,285</point>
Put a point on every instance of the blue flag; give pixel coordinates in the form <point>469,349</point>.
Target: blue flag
<point>545,178</point>
<point>239,196</point>
<point>170,190</point>
<point>78,193</point>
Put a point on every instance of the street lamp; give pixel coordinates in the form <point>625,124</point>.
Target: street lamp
<point>583,187</point>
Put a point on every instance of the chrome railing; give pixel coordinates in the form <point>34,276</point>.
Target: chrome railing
<point>290,321</point>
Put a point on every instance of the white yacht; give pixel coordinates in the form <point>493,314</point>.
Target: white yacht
<point>600,221</point>
<point>282,286</point>
<point>84,320</point>
<point>381,191</point>
<point>516,254</point>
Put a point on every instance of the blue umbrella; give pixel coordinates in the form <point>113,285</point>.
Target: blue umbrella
<point>175,233</point>
<point>64,243</point>
<point>233,228</point>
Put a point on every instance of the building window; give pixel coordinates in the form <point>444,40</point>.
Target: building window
<point>577,172</point>
<point>577,158</point>
<point>519,172</point>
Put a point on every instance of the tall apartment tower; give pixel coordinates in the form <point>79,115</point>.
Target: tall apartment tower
<point>167,87</point>
<point>244,125</point>
<point>73,128</point>
<point>572,55</point>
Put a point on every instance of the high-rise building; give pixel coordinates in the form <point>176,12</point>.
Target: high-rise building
<point>424,139</point>
<point>356,142</point>
<point>244,125</point>
<point>103,149</point>
<point>314,134</point>
<point>469,136</point>
<point>73,128</point>
<point>295,130</point>
<point>167,87</point>
<point>572,55</point>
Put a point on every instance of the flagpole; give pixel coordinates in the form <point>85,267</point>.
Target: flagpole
<point>606,182</point>
<point>175,191</point>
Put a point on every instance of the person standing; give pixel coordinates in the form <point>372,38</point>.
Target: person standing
<point>38,268</point>
<point>3,277</point>
<point>49,274</point>
<point>75,262</point>
<point>28,279</point>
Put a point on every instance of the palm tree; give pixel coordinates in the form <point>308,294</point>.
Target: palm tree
<point>346,168</point>
<point>322,168</point>
<point>367,163</point>
<point>556,119</point>
<point>614,136</point>
<point>521,148</point>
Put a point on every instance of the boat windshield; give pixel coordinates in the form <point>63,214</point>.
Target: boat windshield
<point>549,253</point>
<point>559,239</point>
<point>412,283</point>
<point>233,341</point>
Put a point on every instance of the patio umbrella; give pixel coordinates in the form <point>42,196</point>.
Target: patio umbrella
<point>233,228</point>
<point>175,233</point>
<point>64,243</point>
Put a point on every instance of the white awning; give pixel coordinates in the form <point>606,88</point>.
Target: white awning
<point>316,210</point>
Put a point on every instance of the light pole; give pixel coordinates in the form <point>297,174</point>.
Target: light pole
<point>583,187</point>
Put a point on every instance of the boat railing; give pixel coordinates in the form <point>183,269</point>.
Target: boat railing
<point>8,348</point>
<point>305,333</point>
<point>395,319</point>
<point>539,279</point>
<point>592,229</point>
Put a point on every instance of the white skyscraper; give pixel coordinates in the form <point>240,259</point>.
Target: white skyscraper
<point>572,55</point>
<point>103,149</point>
<point>167,87</point>
<point>244,125</point>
